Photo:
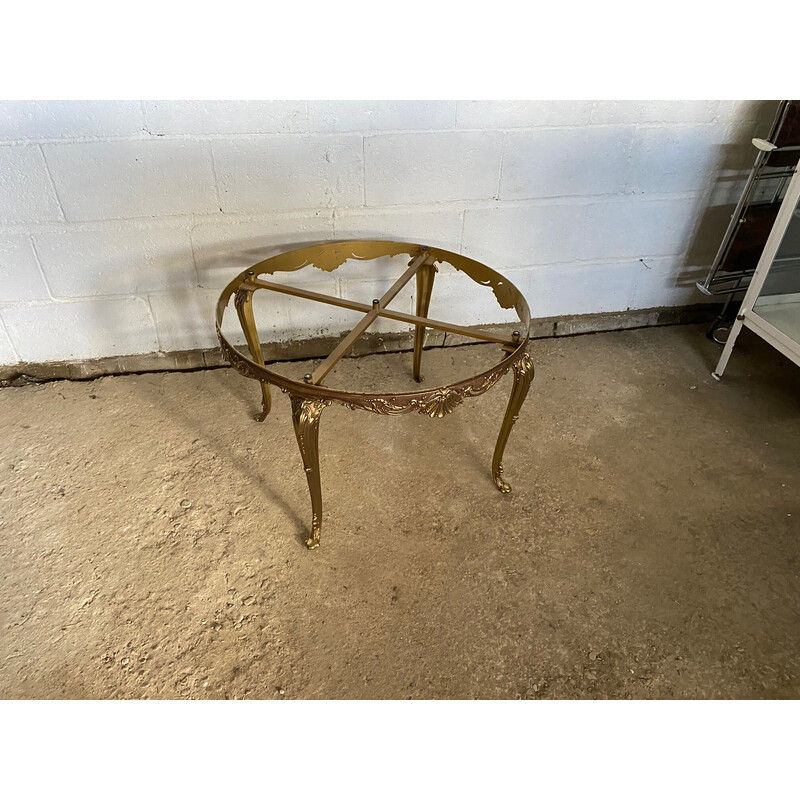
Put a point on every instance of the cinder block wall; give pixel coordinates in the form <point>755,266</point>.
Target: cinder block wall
<point>120,221</point>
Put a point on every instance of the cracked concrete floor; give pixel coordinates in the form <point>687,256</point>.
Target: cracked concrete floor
<point>152,534</point>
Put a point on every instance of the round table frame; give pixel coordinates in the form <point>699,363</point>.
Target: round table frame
<point>311,396</point>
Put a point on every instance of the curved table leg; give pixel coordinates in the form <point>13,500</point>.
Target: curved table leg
<point>305,416</point>
<point>424,288</point>
<point>244,308</point>
<point>523,375</point>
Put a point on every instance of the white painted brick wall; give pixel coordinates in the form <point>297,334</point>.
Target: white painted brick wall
<point>414,168</point>
<point>509,114</point>
<point>59,119</point>
<point>336,116</point>
<point>224,247</point>
<point>286,172</point>
<point>575,161</point>
<point>181,117</point>
<point>26,191</point>
<point>635,227</point>
<point>674,158</point>
<point>115,260</point>
<point>184,319</point>
<point>615,112</point>
<point>554,290</point>
<point>20,277</point>
<point>520,235</point>
<point>8,355</point>
<point>132,178</point>
<point>81,329</point>
<point>121,220</point>
<point>438,227</point>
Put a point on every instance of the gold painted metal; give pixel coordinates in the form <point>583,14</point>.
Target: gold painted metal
<point>344,346</point>
<point>400,316</point>
<point>310,397</point>
<point>523,375</point>
<point>244,308</point>
<point>424,289</point>
<point>305,417</point>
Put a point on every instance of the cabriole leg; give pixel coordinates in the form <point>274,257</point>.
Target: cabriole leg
<point>523,375</point>
<point>305,416</point>
<point>424,288</point>
<point>244,308</point>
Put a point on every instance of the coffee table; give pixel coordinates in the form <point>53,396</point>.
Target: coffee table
<point>311,396</point>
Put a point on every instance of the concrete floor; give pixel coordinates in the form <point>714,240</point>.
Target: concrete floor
<point>152,534</point>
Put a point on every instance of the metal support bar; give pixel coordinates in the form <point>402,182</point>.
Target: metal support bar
<point>399,316</point>
<point>344,346</point>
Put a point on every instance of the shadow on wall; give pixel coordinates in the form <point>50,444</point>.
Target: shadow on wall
<point>734,164</point>
<point>182,296</point>
<point>177,288</point>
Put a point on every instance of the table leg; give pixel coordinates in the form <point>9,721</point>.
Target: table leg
<point>523,375</point>
<point>305,416</point>
<point>244,308</point>
<point>424,287</point>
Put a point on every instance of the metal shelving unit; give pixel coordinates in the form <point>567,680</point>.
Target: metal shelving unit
<point>771,306</point>
<point>755,213</point>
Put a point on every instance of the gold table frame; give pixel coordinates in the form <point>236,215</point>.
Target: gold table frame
<point>310,397</point>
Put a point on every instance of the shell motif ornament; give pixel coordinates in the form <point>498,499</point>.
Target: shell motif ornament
<point>440,403</point>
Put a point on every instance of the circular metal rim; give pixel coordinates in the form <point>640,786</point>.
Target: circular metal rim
<point>251,369</point>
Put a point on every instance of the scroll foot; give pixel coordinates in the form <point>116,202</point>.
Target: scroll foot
<point>312,543</point>
<point>499,482</point>
<point>266,403</point>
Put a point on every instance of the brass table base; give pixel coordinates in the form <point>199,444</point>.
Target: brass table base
<point>310,397</point>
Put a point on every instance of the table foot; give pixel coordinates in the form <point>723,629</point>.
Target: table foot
<point>523,375</point>
<point>305,417</point>
<point>499,482</point>
<point>266,403</point>
<point>313,542</point>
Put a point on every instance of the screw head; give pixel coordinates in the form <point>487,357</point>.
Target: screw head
<point>307,378</point>
<point>515,334</point>
<point>250,272</point>
<point>376,303</point>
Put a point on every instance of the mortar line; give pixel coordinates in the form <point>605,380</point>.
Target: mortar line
<point>477,204</point>
<point>214,174</point>
<point>10,341</point>
<point>40,268</point>
<point>155,327</point>
<point>52,183</point>
<point>503,145</point>
<point>145,126</point>
<point>363,170</point>
<point>192,226</point>
<point>362,132</point>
